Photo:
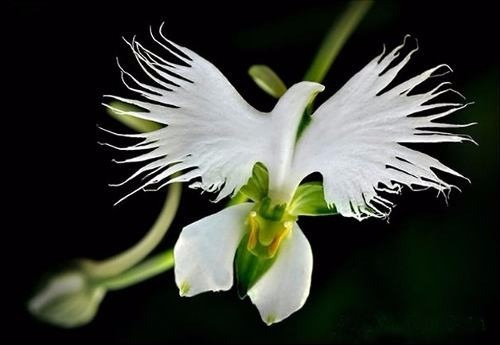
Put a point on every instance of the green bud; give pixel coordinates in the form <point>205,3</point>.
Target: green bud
<point>67,299</point>
<point>267,80</point>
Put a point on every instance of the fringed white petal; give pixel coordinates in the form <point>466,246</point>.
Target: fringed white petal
<point>205,250</point>
<point>355,137</point>
<point>284,288</point>
<point>211,132</point>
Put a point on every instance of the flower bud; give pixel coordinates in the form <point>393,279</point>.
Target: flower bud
<point>67,299</point>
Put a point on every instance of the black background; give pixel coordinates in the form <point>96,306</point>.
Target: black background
<point>432,271</point>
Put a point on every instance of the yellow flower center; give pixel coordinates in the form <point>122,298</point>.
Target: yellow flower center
<point>265,235</point>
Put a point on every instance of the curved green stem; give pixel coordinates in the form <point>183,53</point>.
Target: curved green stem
<point>123,261</point>
<point>149,268</point>
<point>336,38</point>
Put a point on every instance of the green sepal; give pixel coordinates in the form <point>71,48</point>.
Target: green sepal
<point>249,267</point>
<point>258,184</point>
<point>309,200</point>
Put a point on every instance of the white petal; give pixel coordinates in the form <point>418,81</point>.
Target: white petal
<point>284,288</point>
<point>204,252</point>
<point>211,132</point>
<point>354,138</point>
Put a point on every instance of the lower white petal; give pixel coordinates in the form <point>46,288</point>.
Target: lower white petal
<point>284,288</point>
<point>204,252</point>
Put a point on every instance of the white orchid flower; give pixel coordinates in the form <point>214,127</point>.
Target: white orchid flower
<point>214,137</point>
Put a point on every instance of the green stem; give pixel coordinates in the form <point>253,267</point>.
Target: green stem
<point>149,268</point>
<point>336,38</point>
<point>123,261</point>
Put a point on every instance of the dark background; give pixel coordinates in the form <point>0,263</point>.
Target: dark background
<point>429,275</point>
